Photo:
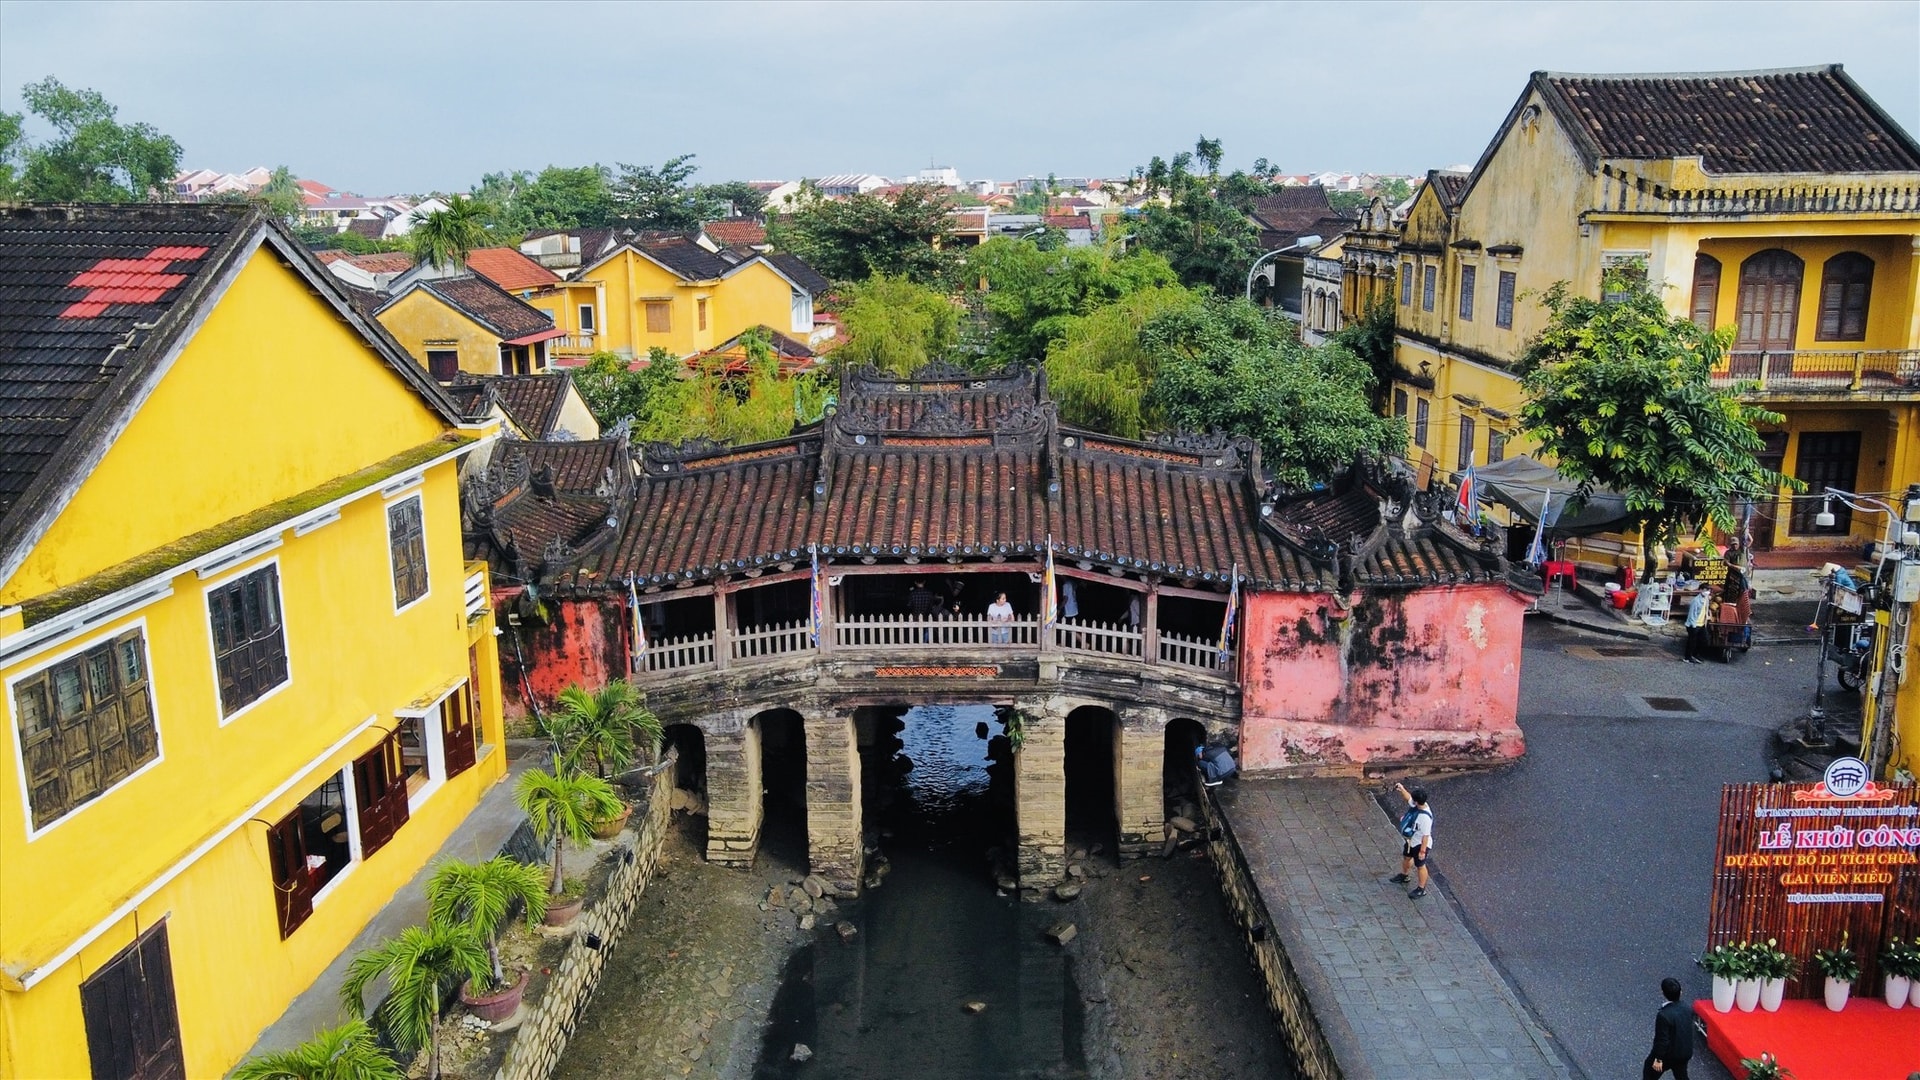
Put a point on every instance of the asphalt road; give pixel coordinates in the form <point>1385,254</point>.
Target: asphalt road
<point>1585,867</point>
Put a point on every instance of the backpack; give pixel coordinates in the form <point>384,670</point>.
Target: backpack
<point>1410,821</point>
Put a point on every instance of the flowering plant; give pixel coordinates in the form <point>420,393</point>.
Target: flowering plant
<point>1840,963</point>
<point>1765,1067</point>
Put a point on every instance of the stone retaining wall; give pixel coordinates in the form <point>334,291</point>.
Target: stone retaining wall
<point>1286,996</point>
<point>542,1038</point>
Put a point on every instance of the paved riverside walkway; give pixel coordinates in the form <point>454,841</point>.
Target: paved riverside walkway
<point>1400,987</point>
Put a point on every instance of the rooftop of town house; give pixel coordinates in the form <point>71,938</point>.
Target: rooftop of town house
<point>736,232</point>
<point>92,301</point>
<point>1449,186</point>
<point>373,262</point>
<point>797,270</point>
<point>512,319</point>
<point>509,269</point>
<point>958,465</point>
<point>1291,213</point>
<point>532,402</point>
<point>1782,120</point>
<point>541,504</point>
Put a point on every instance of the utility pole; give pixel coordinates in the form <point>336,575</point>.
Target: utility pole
<point>1901,569</point>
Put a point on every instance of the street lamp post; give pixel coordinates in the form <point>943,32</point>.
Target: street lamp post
<point>1899,576</point>
<point>1305,241</point>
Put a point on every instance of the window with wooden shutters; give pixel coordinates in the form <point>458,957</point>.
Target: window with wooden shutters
<point>130,1014</point>
<point>456,731</point>
<point>85,724</point>
<point>293,887</point>
<point>249,643</point>
<point>1406,284</point>
<point>701,307</point>
<point>1846,284</point>
<point>1399,402</point>
<point>443,364</point>
<point>1496,446</point>
<point>307,849</point>
<point>1420,422</point>
<point>1467,276</point>
<point>1827,459</point>
<point>1706,291</point>
<point>1503,301</point>
<point>407,545</point>
<point>380,794</point>
<point>659,317</point>
<point>1769,301</point>
<point>1466,443</point>
<point>1428,276</point>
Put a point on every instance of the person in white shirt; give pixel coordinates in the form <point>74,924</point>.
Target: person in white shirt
<point>1000,613</point>
<point>1697,625</point>
<point>1416,828</point>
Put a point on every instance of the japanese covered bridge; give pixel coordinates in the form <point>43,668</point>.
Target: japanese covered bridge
<point>1365,629</point>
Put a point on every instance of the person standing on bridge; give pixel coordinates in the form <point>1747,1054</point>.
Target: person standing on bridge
<point>1672,1035</point>
<point>922,604</point>
<point>1000,615</point>
<point>1416,832</point>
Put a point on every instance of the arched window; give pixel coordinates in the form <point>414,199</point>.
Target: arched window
<point>1706,290</point>
<point>1769,301</point>
<point>1846,284</point>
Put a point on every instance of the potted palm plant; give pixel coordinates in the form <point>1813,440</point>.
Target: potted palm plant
<point>347,1052</point>
<point>609,726</point>
<point>563,807</point>
<point>1841,967</point>
<point>1899,963</point>
<point>479,896</point>
<point>1775,966</point>
<point>420,966</point>
<point>1723,963</point>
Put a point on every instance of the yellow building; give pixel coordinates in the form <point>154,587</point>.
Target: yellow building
<point>249,685</point>
<point>466,323</point>
<point>1802,238</point>
<point>675,294</point>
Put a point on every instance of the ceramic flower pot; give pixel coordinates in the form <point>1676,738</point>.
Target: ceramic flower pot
<point>610,827</point>
<point>1913,994</point>
<point>1722,994</point>
<point>1746,994</point>
<point>1771,993</point>
<point>561,912</point>
<point>1837,992</point>
<point>496,1006</point>
<point>1898,989</point>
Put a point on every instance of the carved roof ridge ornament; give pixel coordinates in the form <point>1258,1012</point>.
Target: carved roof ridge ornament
<point>939,417</point>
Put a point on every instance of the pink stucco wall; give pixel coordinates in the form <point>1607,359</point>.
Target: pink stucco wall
<point>582,641</point>
<point>1429,675</point>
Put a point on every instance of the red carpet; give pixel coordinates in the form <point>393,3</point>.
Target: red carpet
<point>1864,1041</point>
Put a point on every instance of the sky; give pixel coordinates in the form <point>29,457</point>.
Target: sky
<point>396,97</point>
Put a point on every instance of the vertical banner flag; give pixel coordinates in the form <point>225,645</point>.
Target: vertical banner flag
<point>1537,551</point>
<point>1050,593</point>
<point>816,619</point>
<point>639,631</point>
<point>1467,495</point>
<point>1233,613</point>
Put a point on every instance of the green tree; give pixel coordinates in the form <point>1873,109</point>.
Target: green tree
<point>347,1052</point>
<point>897,324</point>
<point>1209,152</point>
<point>1203,231</point>
<point>91,156</point>
<point>557,198</point>
<point>563,807</point>
<point>1370,338</point>
<point>420,966</point>
<point>615,390</point>
<point>1098,369</point>
<point>1032,292</point>
<point>649,197</point>
<point>602,724</point>
<point>12,149</point>
<point>479,896</point>
<point>1619,394</point>
<point>852,239</point>
<point>446,237</point>
<point>735,198</point>
<point>281,196</point>
<point>1225,365</point>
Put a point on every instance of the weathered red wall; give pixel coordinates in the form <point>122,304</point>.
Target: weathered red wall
<point>1428,675</point>
<point>582,641</point>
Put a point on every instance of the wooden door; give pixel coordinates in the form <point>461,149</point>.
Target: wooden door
<point>1769,305</point>
<point>292,884</point>
<point>380,793</point>
<point>132,1020</point>
<point>456,731</point>
<point>1827,459</point>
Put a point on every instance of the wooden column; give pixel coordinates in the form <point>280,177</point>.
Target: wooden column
<point>722,627</point>
<point>829,614</point>
<point>1150,627</point>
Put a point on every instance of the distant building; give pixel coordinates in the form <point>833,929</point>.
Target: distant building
<point>843,184</point>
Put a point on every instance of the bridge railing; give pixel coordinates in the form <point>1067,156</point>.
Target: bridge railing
<point>680,653</point>
<point>1102,638</point>
<point>776,639</point>
<point>1196,653</point>
<point>918,631</point>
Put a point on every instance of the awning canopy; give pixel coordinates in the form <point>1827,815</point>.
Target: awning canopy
<point>539,335</point>
<point>1523,484</point>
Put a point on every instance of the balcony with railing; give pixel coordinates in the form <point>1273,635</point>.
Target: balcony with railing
<point>572,345</point>
<point>1822,371</point>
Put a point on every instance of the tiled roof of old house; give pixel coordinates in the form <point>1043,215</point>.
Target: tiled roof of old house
<point>499,311</point>
<point>92,298</point>
<point>1449,186</point>
<point>798,272</point>
<point>1293,212</point>
<point>1788,120</point>
<point>373,262</point>
<point>683,257</point>
<point>532,402</point>
<point>1068,221</point>
<point>979,467</point>
<point>736,232</point>
<point>509,269</point>
<point>539,507</point>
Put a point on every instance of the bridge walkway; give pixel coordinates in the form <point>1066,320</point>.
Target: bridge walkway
<point>1398,987</point>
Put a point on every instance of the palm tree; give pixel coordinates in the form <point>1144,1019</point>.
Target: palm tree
<point>564,808</point>
<point>479,896</point>
<point>602,724</point>
<point>348,1052</point>
<point>446,237</point>
<point>420,965</point>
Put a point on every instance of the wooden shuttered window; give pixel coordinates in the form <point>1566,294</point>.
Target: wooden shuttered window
<point>130,1014</point>
<point>1429,276</point>
<point>380,793</point>
<point>1468,274</point>
<point>249,643</point>
<point>1496,446</point>
<point>1846,285</point>
<point>1399,402</point>
<point>1706,291</point>
<point>293,886</point>
<point>1466,443</point>
<point>1503,301</point>
<point>457,715</point>
<point>1420,422</point>
<point>1769,301</point>
<point>1406,284</point>
<point>659,317</point>
<point>406,542</point>
<point>86,723</point>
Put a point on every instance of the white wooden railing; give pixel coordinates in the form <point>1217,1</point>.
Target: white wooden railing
<point>679,653</point>
<point>916,631</point>
<point>1196,653</point>
<point>757,642</point>
<point>1106,639</point>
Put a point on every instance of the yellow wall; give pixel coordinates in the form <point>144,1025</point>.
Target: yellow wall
<point>351,659</point>
<point>421,321</point>
<point>205,436</point>
<point>750,296</point>
<point>562,303</point>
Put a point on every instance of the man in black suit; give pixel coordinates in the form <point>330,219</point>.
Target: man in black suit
<point>1672,1036</point>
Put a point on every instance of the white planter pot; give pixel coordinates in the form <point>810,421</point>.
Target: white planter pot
<point>1746,994</point>
<point>1913,994</point>
<point>1898,989</point>
<point>1722,994</point>
<point>1837,992</point>
<point>1771,991</point>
